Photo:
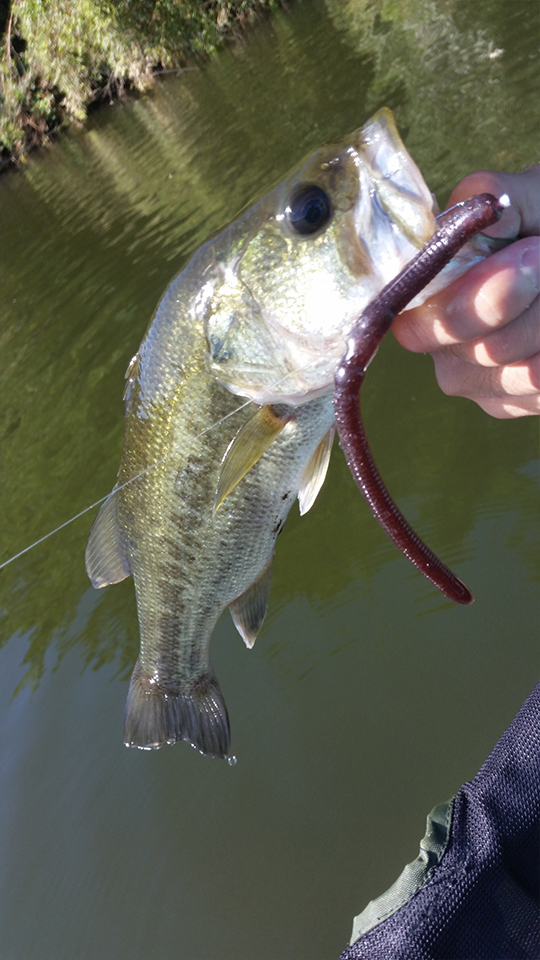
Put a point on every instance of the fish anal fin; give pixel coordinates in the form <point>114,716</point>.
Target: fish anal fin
<point>314,474</point>
<point>157,714</point>
<point>247,447</point>
<point>249,609</point>
<point>104,559</point>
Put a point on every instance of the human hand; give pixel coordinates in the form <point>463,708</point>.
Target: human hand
<point>483,331</point>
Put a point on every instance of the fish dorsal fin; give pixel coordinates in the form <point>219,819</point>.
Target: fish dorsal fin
<point>104,558</point>
<point>247,447</point>
<point>130,374</point>
<point>249,610</point>
<point>314,475</point>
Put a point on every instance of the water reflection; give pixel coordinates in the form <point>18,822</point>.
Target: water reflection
<point>329,712</point>
<point>98,228</point>
<point>455,75</point>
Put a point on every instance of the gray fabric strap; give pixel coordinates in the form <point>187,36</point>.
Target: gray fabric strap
<point>414,876</point>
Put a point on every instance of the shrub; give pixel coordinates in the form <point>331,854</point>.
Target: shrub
<point>57,56</point>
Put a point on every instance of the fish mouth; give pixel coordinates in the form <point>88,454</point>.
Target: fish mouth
<point>273,346</point>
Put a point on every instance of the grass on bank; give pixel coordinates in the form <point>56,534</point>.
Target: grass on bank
<point>59,56</point>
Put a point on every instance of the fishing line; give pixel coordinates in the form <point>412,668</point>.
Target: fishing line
<point>143,472</point>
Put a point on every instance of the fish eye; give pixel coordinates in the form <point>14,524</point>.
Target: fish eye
<point>309,209</point>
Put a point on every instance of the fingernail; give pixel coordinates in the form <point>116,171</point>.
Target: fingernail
<point>529,268</point>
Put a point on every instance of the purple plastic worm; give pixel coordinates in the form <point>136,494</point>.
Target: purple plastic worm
<point>456,227</point>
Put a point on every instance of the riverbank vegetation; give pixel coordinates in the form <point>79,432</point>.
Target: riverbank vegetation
<point>58,57</point>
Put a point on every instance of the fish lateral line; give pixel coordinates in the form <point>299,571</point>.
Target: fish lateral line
<point>116,490</point>
<point>137,476</point>
<point>456,227</point>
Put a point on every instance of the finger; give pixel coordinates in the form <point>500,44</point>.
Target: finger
<point>522,218</point>
<point>490,295</point>
<point>506,409</point>
<point>459,378</point>
<point>511,343</point>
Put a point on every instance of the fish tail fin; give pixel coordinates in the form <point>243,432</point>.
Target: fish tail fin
<point>158,714</point>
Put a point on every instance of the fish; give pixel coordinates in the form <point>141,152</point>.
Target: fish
<point>229,417</point>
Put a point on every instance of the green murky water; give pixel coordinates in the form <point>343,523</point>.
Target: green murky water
<point>367,698</point>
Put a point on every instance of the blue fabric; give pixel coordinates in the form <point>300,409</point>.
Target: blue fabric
<point>481,902</point>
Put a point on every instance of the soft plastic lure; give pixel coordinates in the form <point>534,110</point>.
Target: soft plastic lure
<point>457,226</point>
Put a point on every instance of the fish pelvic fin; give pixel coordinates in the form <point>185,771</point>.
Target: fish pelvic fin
<point>249,609</point>
<point>104,558</point>
<point>247,447</point>
<point>314,475</point>
<point>159,714</point>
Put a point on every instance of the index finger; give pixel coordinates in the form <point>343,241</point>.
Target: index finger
<point>522,218</point>
<point>491,295</point>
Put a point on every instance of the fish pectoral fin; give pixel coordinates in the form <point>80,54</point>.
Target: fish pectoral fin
<point>104,558</point>
<point>249,609</point>
<point>247,447</point>
<point>159,714</point>
<point>314,475</point>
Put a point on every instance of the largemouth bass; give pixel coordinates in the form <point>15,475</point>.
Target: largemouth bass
<point>207,479</point>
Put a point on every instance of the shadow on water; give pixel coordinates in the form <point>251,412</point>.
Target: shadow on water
<point>93,230</point>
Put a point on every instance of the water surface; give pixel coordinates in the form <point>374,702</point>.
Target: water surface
<point>368,697</point>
